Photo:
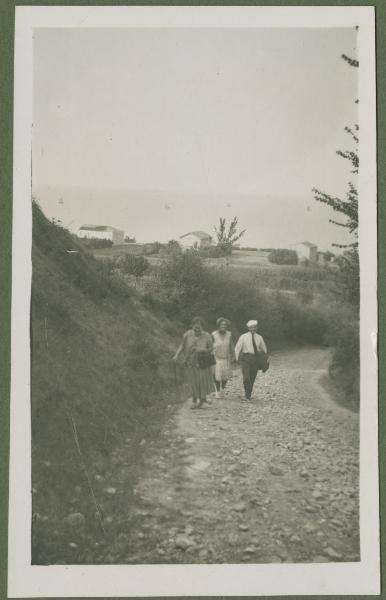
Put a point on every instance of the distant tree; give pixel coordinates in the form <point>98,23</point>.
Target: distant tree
<point>157,246</point>
<point>173,246</point>
<point>282,256</point>
<point>228,236</point>
<point>130,264</point>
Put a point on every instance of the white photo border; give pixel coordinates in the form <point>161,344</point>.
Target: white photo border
<point>25,580</point>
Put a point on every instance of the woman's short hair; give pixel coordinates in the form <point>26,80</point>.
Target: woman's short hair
<point>223,320</point>
<point>197,321</point>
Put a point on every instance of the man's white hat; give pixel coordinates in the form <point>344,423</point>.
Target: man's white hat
<point>252,323</point>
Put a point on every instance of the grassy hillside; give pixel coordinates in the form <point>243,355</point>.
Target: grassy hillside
<point>101,377</point>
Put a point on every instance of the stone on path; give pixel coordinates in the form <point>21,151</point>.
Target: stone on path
<point>239,507</point>
<point>75,519</point>
<point>320,559</point>
<point>183,542</point>
<point>318,495</point>
<point>275,470</point>
<point>250,549</point>
<point>331,553</point>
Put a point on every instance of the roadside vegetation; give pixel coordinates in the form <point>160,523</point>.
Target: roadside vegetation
<point>101,379</point>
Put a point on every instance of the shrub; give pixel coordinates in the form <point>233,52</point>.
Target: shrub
<point>130,264</point>
<point>173,246</point>
<point>94,243</point>
<point>343,336</point>
<point>282,256</point>
<point>156,247</point>
<point>185,286</point>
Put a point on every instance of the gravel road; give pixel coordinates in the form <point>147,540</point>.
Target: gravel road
<point>273,480</point>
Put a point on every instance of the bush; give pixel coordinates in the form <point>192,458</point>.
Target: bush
<point>156,247</point>
<point>185,286</point>
<point>282,256</point>
<point>173,246</point>
<point>343,336</point>
<point>130,264</point>
<point>348,275</point>
<point>94,243</point>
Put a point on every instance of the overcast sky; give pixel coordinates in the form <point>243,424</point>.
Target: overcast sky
<point>163,131</point>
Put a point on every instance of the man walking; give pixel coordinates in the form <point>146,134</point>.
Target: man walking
<point>251,351</point>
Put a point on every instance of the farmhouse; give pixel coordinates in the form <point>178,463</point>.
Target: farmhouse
<point>102,232</point>
<point>306,251</point>
<point>195,239</point>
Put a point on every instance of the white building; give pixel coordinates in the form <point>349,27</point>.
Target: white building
<point>306,251</point>
<point>102,232</point>
<point>195,239</point>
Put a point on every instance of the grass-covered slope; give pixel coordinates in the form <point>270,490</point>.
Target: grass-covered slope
<point>101,377</point>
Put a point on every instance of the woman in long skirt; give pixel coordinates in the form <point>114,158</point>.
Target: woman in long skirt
<point>224,353</point>
<point>196,348</point>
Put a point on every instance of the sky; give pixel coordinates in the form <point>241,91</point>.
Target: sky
<point>162,131</point>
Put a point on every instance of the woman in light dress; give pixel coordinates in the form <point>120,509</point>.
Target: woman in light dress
<point>224,353</point>
<point>196,348</point>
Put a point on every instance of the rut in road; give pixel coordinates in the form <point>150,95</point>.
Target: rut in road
<point>274,480</point>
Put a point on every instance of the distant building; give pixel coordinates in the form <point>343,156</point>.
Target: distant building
<point>306,251</point>
<point>102,232</point>
<point>195,239</point>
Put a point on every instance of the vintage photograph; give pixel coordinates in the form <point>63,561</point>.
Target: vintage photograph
<point>195,324</point>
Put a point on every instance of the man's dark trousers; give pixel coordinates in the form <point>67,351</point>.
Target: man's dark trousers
<point>249,368</point>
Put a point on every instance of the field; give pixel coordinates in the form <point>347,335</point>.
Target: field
<point>290,278</point>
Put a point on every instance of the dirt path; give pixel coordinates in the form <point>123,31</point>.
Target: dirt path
<point>274,480</point>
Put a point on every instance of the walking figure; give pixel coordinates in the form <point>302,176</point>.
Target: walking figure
<point>196,349</point>
<point>251,351</point>
<point>223,350</point>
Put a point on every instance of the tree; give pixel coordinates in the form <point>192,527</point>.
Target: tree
<point>348,262</point>
<point>347,207</point>
<point>227,237</point>
<point>343,331</point>
<point>173,246</point>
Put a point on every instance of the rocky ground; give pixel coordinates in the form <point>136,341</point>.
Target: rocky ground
<point>272,480</point>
